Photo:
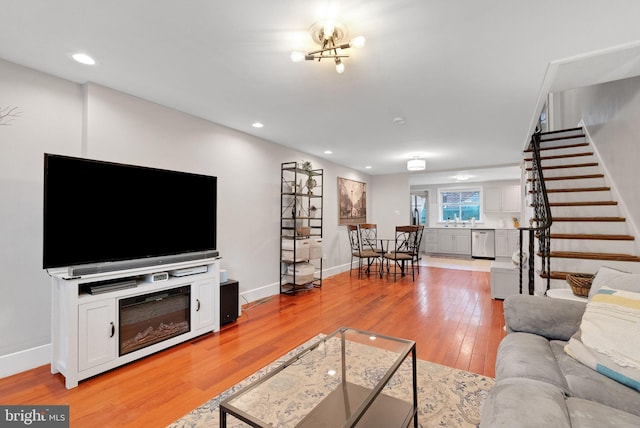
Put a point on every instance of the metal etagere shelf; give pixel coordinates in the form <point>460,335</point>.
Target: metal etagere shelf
<point>301,252</point>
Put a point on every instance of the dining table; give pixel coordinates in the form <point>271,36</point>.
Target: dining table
<point>388,245</point>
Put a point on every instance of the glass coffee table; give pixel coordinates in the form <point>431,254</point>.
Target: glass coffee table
<point>348,378</point>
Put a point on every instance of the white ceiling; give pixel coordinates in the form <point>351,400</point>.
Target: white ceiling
<point>465,75</point>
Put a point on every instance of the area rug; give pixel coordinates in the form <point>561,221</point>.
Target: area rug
<point>447,397</point>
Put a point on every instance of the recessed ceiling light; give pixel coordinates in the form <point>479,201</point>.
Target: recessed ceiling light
<point>257,124</point>
<point>368,167</point>
<point>328,152</point>
<point>83,58</point>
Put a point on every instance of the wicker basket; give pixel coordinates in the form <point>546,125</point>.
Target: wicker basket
<point>580,283</point>
<point>303,231</point>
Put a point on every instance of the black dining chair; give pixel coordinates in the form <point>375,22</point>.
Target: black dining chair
<point>369,237</point>
<point>402,254</point>
<point>357,250</point>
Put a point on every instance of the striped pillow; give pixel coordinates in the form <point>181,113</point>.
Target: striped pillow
<point>608,340</point>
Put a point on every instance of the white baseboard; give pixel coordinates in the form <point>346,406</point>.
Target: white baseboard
<point>328,273</point>
<point>259,293</point>
<point>21,361</point>
<point>274,289</point>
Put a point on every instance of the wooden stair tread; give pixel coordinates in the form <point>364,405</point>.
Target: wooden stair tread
<point>595,219</point>
<point>568,155</point>
<point>560,131</point>
<point>559,147</point>
<point>594,256</point>
<point>564,137</point>
<point>596,236</point>
<point>572,165</point>
<point>577,189</point>
<point>581,203</point>
<point>572,177</point>
<point>556,274</point>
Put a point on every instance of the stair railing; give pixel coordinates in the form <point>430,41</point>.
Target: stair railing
<point>543,219</point>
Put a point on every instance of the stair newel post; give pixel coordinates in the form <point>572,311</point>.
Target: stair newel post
<point>531,261</point>
<point>520,260</point>
<point>545,236</point>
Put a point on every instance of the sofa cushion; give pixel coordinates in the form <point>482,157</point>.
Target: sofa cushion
<point>551,318</point>
<point>525,355</point>
<point>524,403</point>
<point>588,384</point>
<point>587,414</point>
<point>609,338</point>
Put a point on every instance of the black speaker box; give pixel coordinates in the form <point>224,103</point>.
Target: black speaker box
<point>228,301</point>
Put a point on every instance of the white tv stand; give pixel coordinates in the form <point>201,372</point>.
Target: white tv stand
<point>85,334</point>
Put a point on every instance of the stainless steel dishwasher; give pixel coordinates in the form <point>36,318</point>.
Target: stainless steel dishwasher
<point>483,243</point>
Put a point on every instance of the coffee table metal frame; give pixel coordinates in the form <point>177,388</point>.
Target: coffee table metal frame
<point>340,395</point>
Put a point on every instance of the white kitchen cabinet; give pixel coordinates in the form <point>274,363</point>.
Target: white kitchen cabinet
<point>511,197</point>
<point>430,240</point>
<point>507,242</point>
<point>454,241</point>
<point>502,199</point>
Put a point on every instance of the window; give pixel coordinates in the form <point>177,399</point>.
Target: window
<point>463,204</point>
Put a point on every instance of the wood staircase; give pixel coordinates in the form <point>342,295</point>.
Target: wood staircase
<point>587,230</point>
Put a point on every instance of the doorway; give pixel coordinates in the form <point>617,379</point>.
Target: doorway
<point>420,208</point>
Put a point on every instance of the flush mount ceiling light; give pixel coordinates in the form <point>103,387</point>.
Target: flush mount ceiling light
<point>331,37</point>
<point>83,58</point>
<point>416,164</point>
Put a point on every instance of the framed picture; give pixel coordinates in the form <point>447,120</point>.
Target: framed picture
<point>352,202</point>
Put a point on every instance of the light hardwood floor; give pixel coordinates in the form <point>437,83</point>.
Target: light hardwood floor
<point>449,313</point>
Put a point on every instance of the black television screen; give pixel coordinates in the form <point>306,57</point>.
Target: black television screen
<point>98,212</point>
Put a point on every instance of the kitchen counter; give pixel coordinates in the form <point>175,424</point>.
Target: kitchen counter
<point>457,240</point>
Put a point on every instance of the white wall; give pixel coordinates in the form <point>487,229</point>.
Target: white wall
<point>100,123</point>
<point>391,203</point>
<point>50,121</point>
<point>610,112</point>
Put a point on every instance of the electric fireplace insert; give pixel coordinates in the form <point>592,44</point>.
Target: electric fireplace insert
<point>154,317</point>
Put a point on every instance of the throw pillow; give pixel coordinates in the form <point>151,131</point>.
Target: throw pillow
<point>616,279</point>
<point>608,340</point>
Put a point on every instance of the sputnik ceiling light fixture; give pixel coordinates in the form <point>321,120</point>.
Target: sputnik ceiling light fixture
<point>331,37</point>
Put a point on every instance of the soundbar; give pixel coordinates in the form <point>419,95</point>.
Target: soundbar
<point>92,269</point>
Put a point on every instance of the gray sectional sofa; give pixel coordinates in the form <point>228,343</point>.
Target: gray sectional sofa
<point>539,385</point>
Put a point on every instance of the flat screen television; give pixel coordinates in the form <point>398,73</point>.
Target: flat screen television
<point>100,213</point>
